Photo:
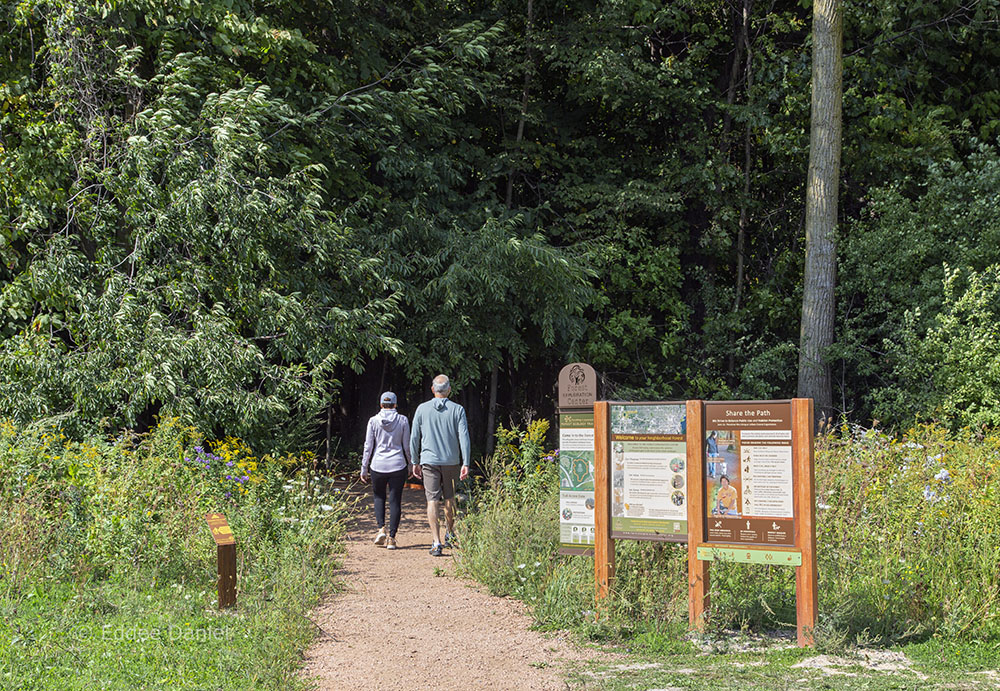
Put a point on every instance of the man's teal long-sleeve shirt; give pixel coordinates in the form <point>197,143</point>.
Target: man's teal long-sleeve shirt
<point>440,434</point>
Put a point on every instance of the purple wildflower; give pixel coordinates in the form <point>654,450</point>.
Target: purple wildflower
<point>230,464</point>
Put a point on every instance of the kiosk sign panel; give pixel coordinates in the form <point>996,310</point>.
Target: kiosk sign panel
<point>576,482</point>
<point>648,472</point>
<point>749,483</point>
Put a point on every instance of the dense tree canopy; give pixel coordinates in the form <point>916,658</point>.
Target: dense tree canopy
<point>256,215</point>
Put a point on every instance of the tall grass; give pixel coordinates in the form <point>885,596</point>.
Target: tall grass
<point>906,530</point>
<point>105,535</point>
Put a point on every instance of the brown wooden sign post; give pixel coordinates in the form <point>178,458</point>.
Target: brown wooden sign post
<point>697,570</point>
<point>225,543</point>
<point>641,485</point>
<point>806,590</point>
<point>604,546</point>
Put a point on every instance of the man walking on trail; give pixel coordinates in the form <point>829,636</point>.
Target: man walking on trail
<point>439,451</point>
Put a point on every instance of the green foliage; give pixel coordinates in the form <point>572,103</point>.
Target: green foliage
<point>135,506</point>
<point>224,211</point>
<point>520,470</point>
<point>950,370</point>
<point>921,346</point>
<point>905,524</point>
<point>207,243</point>
<point>904,550</point>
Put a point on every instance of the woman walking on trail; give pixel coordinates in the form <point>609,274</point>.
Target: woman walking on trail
<point>387,455</point>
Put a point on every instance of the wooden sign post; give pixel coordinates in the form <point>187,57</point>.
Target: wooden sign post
<point>697,570</point>
<point>604,546</point>
<point>748,487</point>
<point>225,543</point>
<point>806,590</point>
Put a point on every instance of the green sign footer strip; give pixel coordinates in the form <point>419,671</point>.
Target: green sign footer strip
<point>750,555</point>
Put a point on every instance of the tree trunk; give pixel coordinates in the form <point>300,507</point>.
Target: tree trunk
<point>509,197</point>
<point>491,415</point>
<point>818,300</point>
<point>509,201</point>
<point>744,201</point>
<point>329,432</point>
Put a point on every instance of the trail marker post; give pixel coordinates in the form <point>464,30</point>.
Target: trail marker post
<point>225,543</point>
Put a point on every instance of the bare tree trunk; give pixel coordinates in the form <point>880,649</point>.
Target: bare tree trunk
<point>742,231</point>
<point>819,282</point>
<point>509,201</point>
<point>329,432</point>
<point>524,103</point>
<point>491,415</point>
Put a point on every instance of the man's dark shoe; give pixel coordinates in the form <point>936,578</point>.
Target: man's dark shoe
<point>436,550</point>
<point>450,539</point>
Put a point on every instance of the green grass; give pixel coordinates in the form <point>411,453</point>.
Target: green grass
<point>106,635</point>
<point>158,635</point>
<point>108,570</point>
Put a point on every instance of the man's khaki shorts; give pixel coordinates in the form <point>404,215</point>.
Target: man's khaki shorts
<point>440,481</point>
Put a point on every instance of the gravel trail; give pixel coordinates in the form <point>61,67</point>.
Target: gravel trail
<point>405,621</point>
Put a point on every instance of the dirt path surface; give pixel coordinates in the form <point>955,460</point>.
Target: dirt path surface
<point>404,621</point>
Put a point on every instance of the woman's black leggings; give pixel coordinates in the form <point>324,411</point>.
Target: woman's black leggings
<point>394,481</point>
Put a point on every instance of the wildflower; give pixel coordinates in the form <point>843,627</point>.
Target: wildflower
<point>943,476</point>
<point>230,464</point>
<point>229,477</point>
<point>326,507</point>
<point>245,478</point>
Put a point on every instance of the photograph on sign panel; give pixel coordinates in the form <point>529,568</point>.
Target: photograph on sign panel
<point>722,473</point>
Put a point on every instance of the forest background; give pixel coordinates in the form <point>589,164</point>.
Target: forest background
<point>255,216</point>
